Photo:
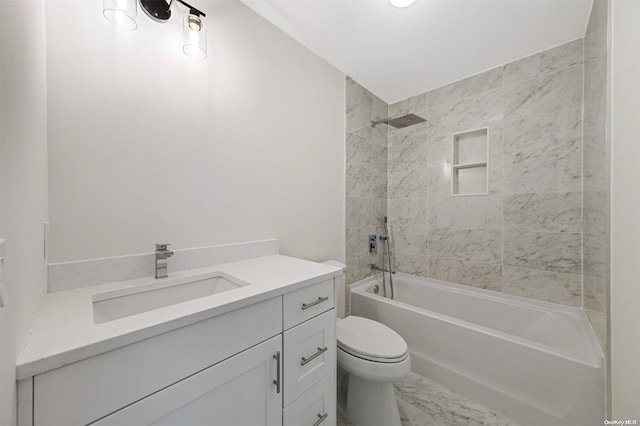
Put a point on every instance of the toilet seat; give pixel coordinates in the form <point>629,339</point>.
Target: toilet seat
<point>370,340</point>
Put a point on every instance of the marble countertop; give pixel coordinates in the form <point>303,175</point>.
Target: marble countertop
<point>65,332</point>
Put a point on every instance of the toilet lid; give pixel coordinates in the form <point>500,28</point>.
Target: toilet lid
<point>369,339</point>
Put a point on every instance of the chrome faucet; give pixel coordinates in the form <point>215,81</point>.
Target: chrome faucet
<point>162,254</point>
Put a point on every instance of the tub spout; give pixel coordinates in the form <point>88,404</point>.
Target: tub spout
<point>374,267</point>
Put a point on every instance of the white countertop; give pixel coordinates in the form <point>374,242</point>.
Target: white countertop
<point>64,331</point>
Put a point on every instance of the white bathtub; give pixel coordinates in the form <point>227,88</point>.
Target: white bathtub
<point>537,363</point>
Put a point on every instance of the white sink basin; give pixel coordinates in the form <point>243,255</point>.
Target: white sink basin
<point>159,294</point>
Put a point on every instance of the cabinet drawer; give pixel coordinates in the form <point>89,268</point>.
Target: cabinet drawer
<point>317,406</point>
<point>87,390</point>
<point>237,391</point>
<point>306,303</point>
<point>310,354</point>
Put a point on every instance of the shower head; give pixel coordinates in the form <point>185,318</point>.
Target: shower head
<point>400,122</point>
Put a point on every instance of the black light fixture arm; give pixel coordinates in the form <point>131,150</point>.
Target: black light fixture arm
<point>192,10</point>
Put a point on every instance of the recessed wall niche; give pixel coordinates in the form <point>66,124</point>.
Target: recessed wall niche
<point>470,167</point>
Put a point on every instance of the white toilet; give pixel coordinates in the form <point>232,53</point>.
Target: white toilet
<point>374,356</point>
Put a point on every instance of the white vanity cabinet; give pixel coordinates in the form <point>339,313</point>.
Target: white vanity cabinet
<point>237,391</point>
<point>268,363</point>
<point>85,391</point>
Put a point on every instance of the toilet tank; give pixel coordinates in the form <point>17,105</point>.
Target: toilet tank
<point>339,284</point>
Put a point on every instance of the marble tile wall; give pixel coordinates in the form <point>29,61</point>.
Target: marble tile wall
<point>525,236</point>
<point>595,171</point>
<point>366,178</point>
<point>542,184</point>
<point>540,232</point>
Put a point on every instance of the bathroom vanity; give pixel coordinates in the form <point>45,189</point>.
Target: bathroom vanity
<point>257,348</point>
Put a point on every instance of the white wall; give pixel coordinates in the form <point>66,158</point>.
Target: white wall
<point>625,210</point>
<point>23,177</point>
<point>146,145</point>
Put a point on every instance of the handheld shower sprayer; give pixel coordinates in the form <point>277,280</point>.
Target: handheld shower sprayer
<point>387,252</point>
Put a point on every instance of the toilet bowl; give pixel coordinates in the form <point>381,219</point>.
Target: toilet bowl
<point>374,357</point>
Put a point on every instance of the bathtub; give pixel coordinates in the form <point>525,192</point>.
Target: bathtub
<point>535,362</point>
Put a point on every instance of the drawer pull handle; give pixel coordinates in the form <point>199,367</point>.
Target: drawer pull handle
<point>277,380</point>
<point>314,356</point>
<point>308,305</point>
<point>321,418</point>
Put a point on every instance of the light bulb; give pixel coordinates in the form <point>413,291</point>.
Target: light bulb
<point>195,24</point>
<point>195,37</point>
<point>402,3</point>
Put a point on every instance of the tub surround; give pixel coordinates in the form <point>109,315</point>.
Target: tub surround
<point>524,237</point>
<point>64,331</point>
<point>539,233</point>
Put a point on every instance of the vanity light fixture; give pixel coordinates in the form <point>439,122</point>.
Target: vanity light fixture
<point>123,13</point>
<point>402,3</point>
<point>195,35</point>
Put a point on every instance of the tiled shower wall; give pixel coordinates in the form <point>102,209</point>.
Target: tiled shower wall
<point>366,178</point>
<point>595,171</point>
<point>525,237</point>
<point>529,235</point>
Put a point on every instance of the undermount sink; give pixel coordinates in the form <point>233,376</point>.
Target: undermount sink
<point>132,301</point>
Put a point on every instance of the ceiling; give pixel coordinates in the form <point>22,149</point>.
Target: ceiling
<point>397,53</point>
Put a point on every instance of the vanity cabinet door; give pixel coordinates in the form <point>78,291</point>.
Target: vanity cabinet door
<point>237,391</point>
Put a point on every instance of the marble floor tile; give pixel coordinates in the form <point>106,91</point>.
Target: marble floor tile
<point>423,402</point>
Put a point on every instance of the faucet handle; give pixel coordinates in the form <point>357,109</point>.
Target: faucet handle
<point>162,246</point>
